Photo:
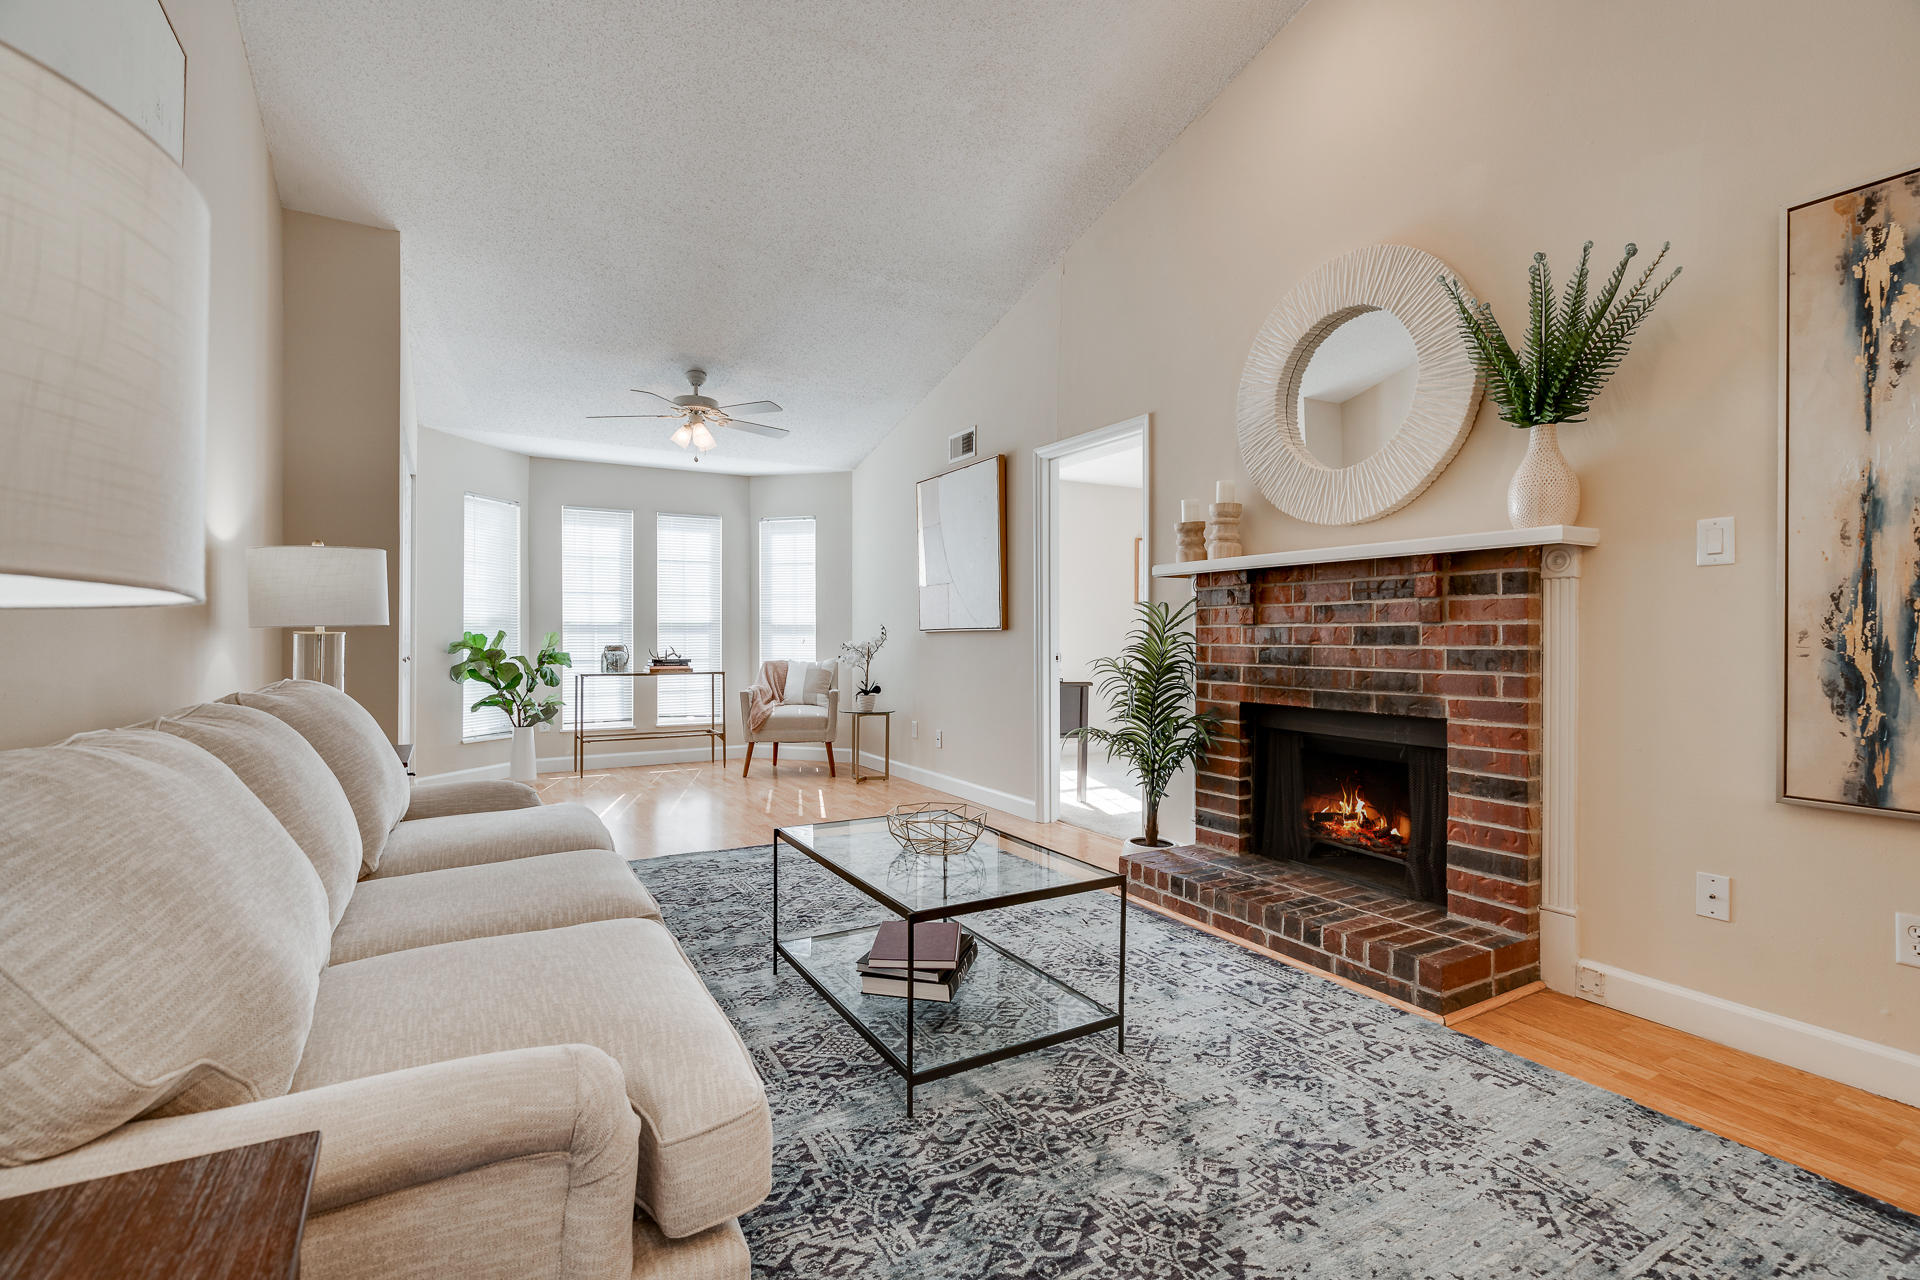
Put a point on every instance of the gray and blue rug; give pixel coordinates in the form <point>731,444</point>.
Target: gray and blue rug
<point>1262,1123</point>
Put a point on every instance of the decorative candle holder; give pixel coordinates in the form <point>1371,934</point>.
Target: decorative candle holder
<point>1193,539</point>
<point>1223,530</point>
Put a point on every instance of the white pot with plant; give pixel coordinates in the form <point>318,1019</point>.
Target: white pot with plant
<point>516,684</point>
<point>1570,353</point>
<point>1149,692</point>
<point>860,656</point>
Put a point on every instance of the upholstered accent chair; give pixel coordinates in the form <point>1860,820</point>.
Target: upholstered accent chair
<point>817,720</point>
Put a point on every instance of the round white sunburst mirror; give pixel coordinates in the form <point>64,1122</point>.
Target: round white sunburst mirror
<point>1358,391</point>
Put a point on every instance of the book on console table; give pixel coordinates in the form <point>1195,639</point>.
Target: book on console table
<point>935,985</point>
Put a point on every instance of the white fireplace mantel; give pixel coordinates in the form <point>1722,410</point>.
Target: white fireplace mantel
<point>1559,699</point>
<point>1546,535</point>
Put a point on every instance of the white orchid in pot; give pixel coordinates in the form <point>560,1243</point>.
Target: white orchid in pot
<point>860,656</point>
<point>1149,690</point>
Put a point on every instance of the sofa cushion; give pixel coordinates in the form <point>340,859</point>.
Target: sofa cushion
<point>470,839</point>
<point>469,795</point>
<point>161,938</point>
<point>350,740</point>
<point>706,1138</point>
<point>288,775</point>
<point>393,913</point>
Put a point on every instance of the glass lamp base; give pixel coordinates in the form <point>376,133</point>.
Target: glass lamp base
<point>322,656</point>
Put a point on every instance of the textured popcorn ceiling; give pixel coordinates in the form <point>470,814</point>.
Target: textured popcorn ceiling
<point>821,202</point>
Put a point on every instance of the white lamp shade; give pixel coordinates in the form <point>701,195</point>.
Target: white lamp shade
<point>103,355</point>
<point>316,587</point>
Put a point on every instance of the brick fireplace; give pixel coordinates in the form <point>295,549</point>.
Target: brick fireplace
<point>1373,806</point>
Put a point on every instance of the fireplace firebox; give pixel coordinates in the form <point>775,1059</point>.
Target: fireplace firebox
<point>1358,795</point>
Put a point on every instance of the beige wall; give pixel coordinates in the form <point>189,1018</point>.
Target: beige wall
<point>1486,130</point>
<point>345,397</point>
<point>1098,523</point>
<point>120,665</point>
<point>450,469</point>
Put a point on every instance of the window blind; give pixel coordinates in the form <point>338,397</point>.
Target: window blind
<point>687,609</point>
<point>596,609</point>
<point>786,589</point>
<point>489,599</point>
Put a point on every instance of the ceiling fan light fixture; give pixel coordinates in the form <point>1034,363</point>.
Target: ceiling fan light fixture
<point>702,438</point>
<point>683,435</point>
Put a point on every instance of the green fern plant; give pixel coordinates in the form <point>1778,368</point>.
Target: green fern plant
<point>1149,688</point>
<point>1571,350</point>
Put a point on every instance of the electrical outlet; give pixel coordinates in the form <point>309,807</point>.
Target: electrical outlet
<point>939,739</point>
<point>1906,938</point>
<point>1712,896</point>
<point>916,729</point>
<point>1592,983</point>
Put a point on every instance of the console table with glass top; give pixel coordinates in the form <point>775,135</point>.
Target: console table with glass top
<point>714,729</point>
<point>1005,1004</point>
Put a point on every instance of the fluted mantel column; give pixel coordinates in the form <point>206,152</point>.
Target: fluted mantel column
<point>1560,765</point>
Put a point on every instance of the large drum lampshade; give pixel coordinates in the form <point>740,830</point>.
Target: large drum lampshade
<point>103,355</point>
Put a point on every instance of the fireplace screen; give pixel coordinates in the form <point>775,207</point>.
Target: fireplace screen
<point>1357,795</point>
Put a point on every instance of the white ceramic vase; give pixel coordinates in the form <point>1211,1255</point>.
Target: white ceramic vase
<point>1545,490</point>
<point>1138,846</point>
<point>524,767</point>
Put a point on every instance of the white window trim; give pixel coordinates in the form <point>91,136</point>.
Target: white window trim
<point>764,634</point>
<point>472,689</point>
<point>718,625</point>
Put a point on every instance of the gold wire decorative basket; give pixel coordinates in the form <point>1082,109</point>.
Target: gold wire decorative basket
<point>936,830</point>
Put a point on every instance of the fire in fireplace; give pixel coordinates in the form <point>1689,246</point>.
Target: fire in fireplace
<point>1354,794</point>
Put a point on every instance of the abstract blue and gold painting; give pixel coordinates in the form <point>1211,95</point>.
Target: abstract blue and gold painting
<point>1852,499</point>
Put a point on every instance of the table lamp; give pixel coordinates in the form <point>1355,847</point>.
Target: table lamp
<point>312,588</point>
<point>103,355</point>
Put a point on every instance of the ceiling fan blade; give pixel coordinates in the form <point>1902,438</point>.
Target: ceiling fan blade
<point>757,428</point>
<point>655,394</point>
<point>633,415</point>
<point>751,406</point>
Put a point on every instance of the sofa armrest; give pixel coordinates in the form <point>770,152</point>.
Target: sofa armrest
<point>475,795</point>
<point>833,712</point>
<point>429,1125</point>
<point>746,714</point>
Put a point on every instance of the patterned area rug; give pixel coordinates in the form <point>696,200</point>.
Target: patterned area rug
<point>1261,1123</point>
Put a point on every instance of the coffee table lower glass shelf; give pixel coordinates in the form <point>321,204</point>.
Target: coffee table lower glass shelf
<point>1005,1005</point>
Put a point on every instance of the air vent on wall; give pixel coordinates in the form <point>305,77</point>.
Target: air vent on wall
<point>962,445</point>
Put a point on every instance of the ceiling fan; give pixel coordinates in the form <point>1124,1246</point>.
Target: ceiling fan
<point>699,414</point>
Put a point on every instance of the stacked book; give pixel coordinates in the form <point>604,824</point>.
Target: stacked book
<point>942,954</point>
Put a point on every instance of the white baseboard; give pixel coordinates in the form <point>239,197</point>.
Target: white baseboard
<point>1864,1064</point>
<point>1005,801</point>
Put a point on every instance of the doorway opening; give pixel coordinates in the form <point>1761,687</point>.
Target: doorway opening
<point>1094,572</point>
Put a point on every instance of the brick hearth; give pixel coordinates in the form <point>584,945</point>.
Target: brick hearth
<point>1453,637</point>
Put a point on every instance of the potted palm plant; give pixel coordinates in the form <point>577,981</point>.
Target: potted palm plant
<point>1571,351</point>
<point>1149,691</point>
<point>516,683</point>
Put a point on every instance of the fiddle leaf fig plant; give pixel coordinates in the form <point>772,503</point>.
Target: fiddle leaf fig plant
<point>1149,689</point>
<point>516,681</point>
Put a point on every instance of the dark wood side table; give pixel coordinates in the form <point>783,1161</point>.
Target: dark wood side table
<point>231,1215</point>
<point>886,757</point>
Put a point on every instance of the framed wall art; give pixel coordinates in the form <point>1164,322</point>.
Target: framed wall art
<point>963,548</point>
<point>1850,499</point>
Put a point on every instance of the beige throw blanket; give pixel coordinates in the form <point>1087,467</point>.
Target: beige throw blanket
<point>767,693</point>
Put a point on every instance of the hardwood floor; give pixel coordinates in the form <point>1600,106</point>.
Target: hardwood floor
<point>1853,1137</point>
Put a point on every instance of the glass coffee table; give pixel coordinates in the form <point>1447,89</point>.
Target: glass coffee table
<point>1005,1005</point>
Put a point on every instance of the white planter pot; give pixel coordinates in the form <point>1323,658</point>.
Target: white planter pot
<point>1137,846</point>
<point>524,766</point>
<point>865,701</point>
<point>1545,490</point>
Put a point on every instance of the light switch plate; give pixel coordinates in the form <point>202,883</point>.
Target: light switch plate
<point>1713,541</point>
<point>1712,896</point>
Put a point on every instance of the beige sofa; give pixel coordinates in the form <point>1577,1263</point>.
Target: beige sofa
<point>239,921</point>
